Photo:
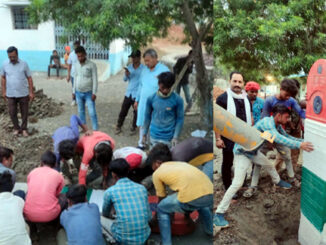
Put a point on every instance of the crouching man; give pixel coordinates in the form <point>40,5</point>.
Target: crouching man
<point>81,221</point>
<point>97,151</point>
<point>194,191</point>
<point>130,202</point>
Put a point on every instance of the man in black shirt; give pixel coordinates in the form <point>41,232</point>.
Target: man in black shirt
<point>56,60</point>
<point>236,102</point>
<point>184,82</point>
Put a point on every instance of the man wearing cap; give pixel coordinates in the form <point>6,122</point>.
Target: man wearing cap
<point>257,103</point>
<point>148,85</point>
<point>132,74</point>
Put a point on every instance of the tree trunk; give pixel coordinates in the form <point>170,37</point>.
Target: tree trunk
<point>203,84</point>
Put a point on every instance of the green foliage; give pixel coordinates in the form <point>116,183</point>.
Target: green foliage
<point>269,37</point>
<point>137,22</point>
<point>105,20</point>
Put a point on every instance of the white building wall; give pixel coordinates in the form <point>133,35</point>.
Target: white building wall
<point>41,38</point>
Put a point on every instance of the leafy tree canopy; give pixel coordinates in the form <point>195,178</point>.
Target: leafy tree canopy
<point>105,20</point>
<point>137,22</point>
<point>273,37</point>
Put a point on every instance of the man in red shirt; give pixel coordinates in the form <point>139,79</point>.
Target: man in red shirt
<point>44,202</point>
<point>97,152</point>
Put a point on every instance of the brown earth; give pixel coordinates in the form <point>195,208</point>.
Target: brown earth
<point>271,216</point>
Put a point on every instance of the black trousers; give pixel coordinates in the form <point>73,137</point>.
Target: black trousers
<point>57,67</point>
<point>12,108</point>
<point>126,104</point>
<point>227,164</point>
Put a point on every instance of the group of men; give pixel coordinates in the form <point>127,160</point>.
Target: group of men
<point>158,110</point>
<point>156,106</point>
<point>272,115</point>
<point>186,168</point>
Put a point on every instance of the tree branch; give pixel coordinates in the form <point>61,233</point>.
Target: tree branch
<point>189,20</point>
<point>204,31</point>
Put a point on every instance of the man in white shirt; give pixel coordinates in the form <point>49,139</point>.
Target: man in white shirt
<point>72,61</point>
<point>13,229</point>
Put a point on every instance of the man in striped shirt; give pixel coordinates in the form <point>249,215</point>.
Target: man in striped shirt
<point>243,159</point>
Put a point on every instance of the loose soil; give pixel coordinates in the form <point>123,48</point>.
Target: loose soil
<point>271,216</point>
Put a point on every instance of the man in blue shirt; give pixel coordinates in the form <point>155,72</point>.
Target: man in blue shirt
<point>147,86</point>
<point>81,221</point>
<point>164,113</point>
<point>288,91</point>
<point>130,203</point>
<point>68,133</point>
<point>132,74</point>
<point>286,96</point>
<point>244,159</point>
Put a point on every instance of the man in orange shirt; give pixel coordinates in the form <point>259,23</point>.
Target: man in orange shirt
<point>66,56</point>
<point>97,153</point>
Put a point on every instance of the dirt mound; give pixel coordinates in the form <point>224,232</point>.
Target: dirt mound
<point>270,217</point>
<point>27,151</point>
<point>42,106</point>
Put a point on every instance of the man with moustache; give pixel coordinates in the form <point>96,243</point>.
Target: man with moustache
<point>235,101</point>
<point>147,86</point>
<point>17,88</point>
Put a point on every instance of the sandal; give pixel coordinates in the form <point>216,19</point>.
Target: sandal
<point>249,192</point>
<point>295,182</point>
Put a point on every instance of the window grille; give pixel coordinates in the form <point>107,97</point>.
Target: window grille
<point>93,50</point>
<point>20,18</point>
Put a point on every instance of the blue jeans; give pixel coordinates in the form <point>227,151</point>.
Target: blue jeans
<point>72,83</point>
<point>20,193</point>
<point>170,204</point>
<point>207,168</point>
<point>153,142</point>
<point>186,91</point>
<point>86,98</point>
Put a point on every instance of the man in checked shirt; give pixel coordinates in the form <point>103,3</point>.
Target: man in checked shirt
<point>243,160</point>
<point>131,206</point>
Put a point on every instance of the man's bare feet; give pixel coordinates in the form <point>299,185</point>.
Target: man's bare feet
<point>16,132</point>
<point>25,133</point>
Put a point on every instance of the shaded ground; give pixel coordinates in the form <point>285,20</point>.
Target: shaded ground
<point>269,217</point>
